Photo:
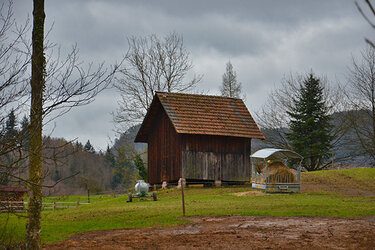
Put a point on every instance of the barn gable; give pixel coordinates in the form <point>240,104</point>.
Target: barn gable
<point>201,115</point>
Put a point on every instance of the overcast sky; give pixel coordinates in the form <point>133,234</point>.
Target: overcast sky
<point>263,39</point>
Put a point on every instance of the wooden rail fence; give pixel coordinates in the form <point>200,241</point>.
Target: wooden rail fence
<point>62,204</point>
<point>20,206</point>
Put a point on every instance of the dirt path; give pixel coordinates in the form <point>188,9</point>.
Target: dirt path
<point>235,232</point>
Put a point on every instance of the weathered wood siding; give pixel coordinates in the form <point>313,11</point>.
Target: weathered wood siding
<point>195,157</point>
<point>164,151</point>
<point>206,157</point>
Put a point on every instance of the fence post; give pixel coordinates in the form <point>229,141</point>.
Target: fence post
<point>78,202</point>
<point>54,206</point>
<point>183,195</point>
<point>88,195</point>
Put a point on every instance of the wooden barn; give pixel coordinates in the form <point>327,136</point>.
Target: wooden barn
<point>198,137</point>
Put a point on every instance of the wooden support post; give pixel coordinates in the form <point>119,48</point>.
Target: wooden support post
<point>182,180</point>
<point>218,183</point>
<point>88,195</point>
<point>78,202</point>
<point>54,206</point>
<point>179,184</point>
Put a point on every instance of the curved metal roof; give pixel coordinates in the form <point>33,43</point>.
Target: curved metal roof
<point>267,153</point>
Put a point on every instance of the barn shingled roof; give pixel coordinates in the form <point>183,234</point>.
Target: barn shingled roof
<point>201,114</point>
<point>12,189</point>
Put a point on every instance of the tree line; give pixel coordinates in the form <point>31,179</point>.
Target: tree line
<point>81,166</point>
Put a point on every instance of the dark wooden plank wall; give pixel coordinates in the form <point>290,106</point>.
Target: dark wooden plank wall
<point>164,151</point>
<point>206,157</point>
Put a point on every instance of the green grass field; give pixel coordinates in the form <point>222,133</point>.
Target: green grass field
<point>335,193</point>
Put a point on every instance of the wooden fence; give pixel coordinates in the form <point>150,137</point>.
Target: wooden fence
<point>62,204</point>
<point>21,206</point>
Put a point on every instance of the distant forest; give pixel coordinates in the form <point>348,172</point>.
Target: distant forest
<point>71,168</point>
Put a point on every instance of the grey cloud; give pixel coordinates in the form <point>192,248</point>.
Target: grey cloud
<point>264,40</point>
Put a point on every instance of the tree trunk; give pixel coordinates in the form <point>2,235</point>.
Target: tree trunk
<point>33,239</point>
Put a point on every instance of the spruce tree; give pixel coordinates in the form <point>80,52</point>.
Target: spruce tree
<point>10,125</point>
<point>140,166</point>
<point>25,133</point>
<point>88,147</point>
<point>110,158</point>
<point>310,124</point>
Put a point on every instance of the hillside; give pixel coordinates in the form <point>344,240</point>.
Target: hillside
<point>81,169</point>
<point>71,168</point>
<point>352,182</point>
<point>127,138</point>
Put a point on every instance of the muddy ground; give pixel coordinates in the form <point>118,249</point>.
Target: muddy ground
<point>235,232</point>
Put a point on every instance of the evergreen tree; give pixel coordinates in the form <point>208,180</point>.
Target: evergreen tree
<point>25,123</point>
<point>10,125</point>
<point>78,146</point>
<point>124,172</point>
<point>230,86</point>
<point>310,124</point>
<point>4,178</point>
<point>110,158</point>
<point>140,166</point>
<point>88,147</point>
<point>25,133</point>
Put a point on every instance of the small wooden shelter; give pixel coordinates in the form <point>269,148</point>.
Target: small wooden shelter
<point>11,198</point>
<point>271,173</point>
<point>198,137</point>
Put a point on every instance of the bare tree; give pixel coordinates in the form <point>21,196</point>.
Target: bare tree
<point>361,95</point>
<point>13,65</point>
<point>367,17</point>
<point>230,86</point>
<point>273,117</point>
<point>13,89</point>
<point>55,85</point>
<point>33,236</point>
<point>151,64</point>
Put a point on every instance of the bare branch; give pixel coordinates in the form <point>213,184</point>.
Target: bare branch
<point>372,10</point>
<point>151,64</point>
